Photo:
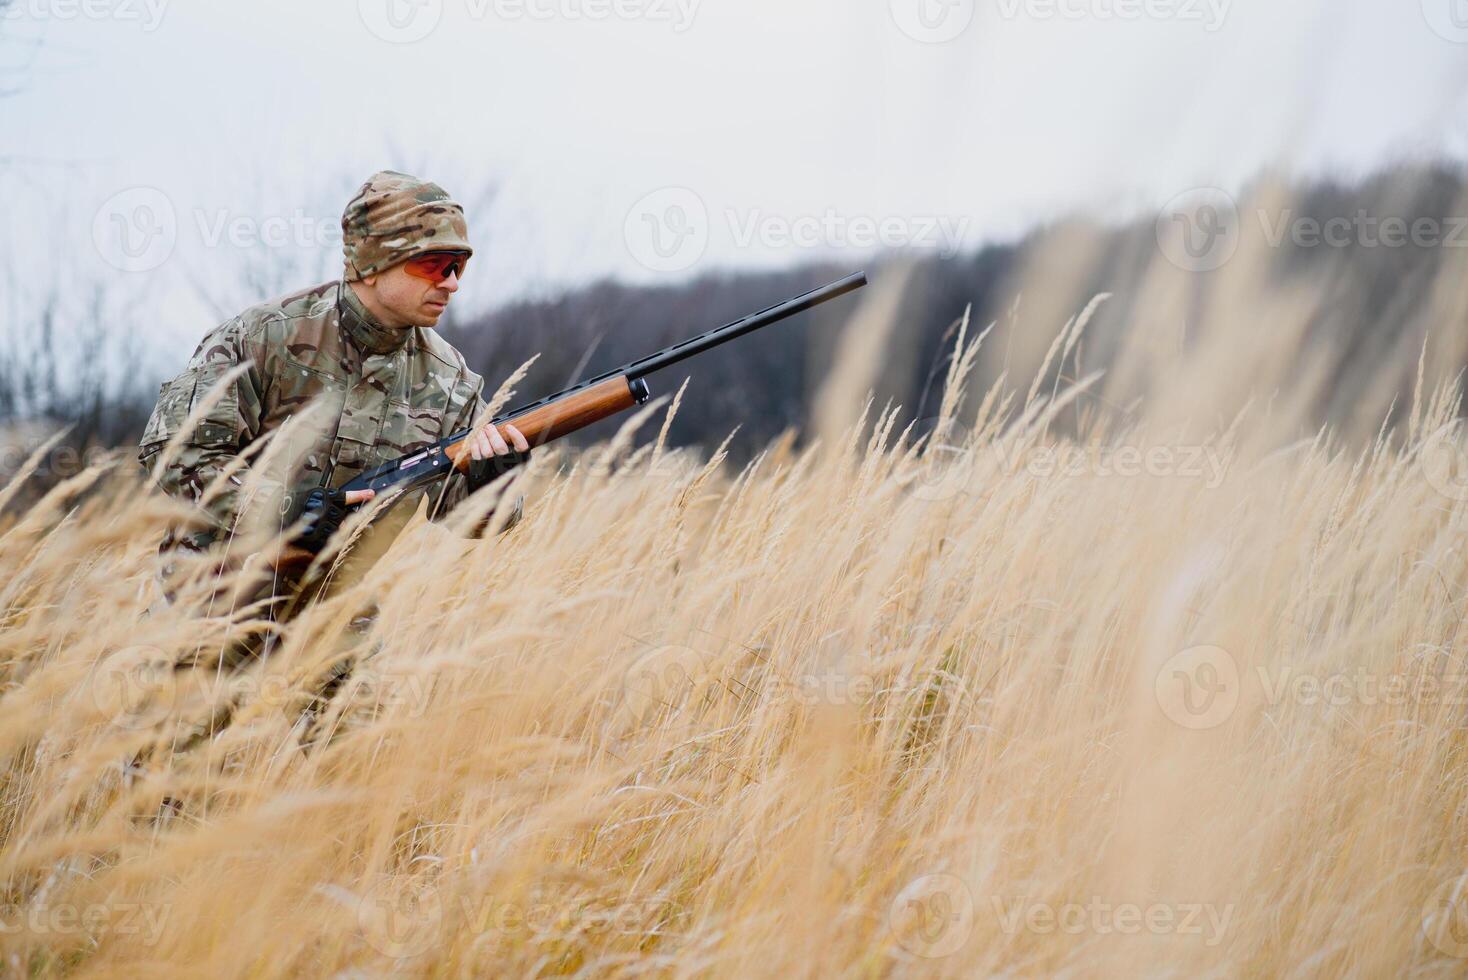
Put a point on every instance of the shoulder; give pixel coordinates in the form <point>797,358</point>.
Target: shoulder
<point>301,321</point>
<point>276,316</point>
<point>443,359</point>
<point>308,310</point>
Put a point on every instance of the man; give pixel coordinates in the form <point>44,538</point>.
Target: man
<point>345,376</point>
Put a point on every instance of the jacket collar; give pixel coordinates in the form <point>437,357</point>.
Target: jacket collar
<point>369,336</point>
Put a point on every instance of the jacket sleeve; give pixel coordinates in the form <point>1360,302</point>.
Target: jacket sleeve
<point>217,436</point>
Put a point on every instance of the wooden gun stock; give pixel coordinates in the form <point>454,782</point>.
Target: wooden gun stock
<point>564,416</point>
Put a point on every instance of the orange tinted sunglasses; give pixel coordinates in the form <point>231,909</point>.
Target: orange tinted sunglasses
<point>437,266</point>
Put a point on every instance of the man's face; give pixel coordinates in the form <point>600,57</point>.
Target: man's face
<point>404,300</point>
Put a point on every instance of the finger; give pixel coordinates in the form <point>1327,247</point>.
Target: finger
<point>486,445</point>
<point>522,445</point>
<point>474,446</point>
<point>359,496</point>
<point>497,441</point>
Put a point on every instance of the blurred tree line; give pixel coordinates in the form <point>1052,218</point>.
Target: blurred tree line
<point>1370,308</point>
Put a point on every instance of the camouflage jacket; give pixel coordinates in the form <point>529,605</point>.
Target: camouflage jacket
<point>375,393</point>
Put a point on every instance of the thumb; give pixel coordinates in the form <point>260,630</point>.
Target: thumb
<point>359,496</point>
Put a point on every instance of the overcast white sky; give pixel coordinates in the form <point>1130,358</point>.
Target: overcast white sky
<point>656,139</point>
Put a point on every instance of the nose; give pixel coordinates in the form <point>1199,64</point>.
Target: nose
<point>451,284</point>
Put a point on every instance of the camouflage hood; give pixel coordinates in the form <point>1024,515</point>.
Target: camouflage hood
<point>395,217</point>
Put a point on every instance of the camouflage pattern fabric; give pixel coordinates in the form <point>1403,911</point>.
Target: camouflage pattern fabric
<point>337,393</point>
<point>395,217</point>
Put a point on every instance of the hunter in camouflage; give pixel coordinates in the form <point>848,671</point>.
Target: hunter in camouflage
<point>342,376</point>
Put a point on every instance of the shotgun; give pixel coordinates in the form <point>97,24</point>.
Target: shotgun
<point>589,401</point>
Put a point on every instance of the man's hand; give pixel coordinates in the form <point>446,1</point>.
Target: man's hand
<point>488,442</point>
<point>493,457</point>
<point>324,512</point>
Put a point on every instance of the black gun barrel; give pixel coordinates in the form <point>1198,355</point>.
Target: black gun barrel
<point>694,346</point>
<point>669,356</point>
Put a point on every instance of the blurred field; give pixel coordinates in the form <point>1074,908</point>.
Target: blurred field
<point>1044,686</point>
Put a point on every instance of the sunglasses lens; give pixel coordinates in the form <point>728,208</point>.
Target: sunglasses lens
<point>436,267</point>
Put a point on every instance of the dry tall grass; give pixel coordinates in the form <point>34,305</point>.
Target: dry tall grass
<point>859,710</point>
